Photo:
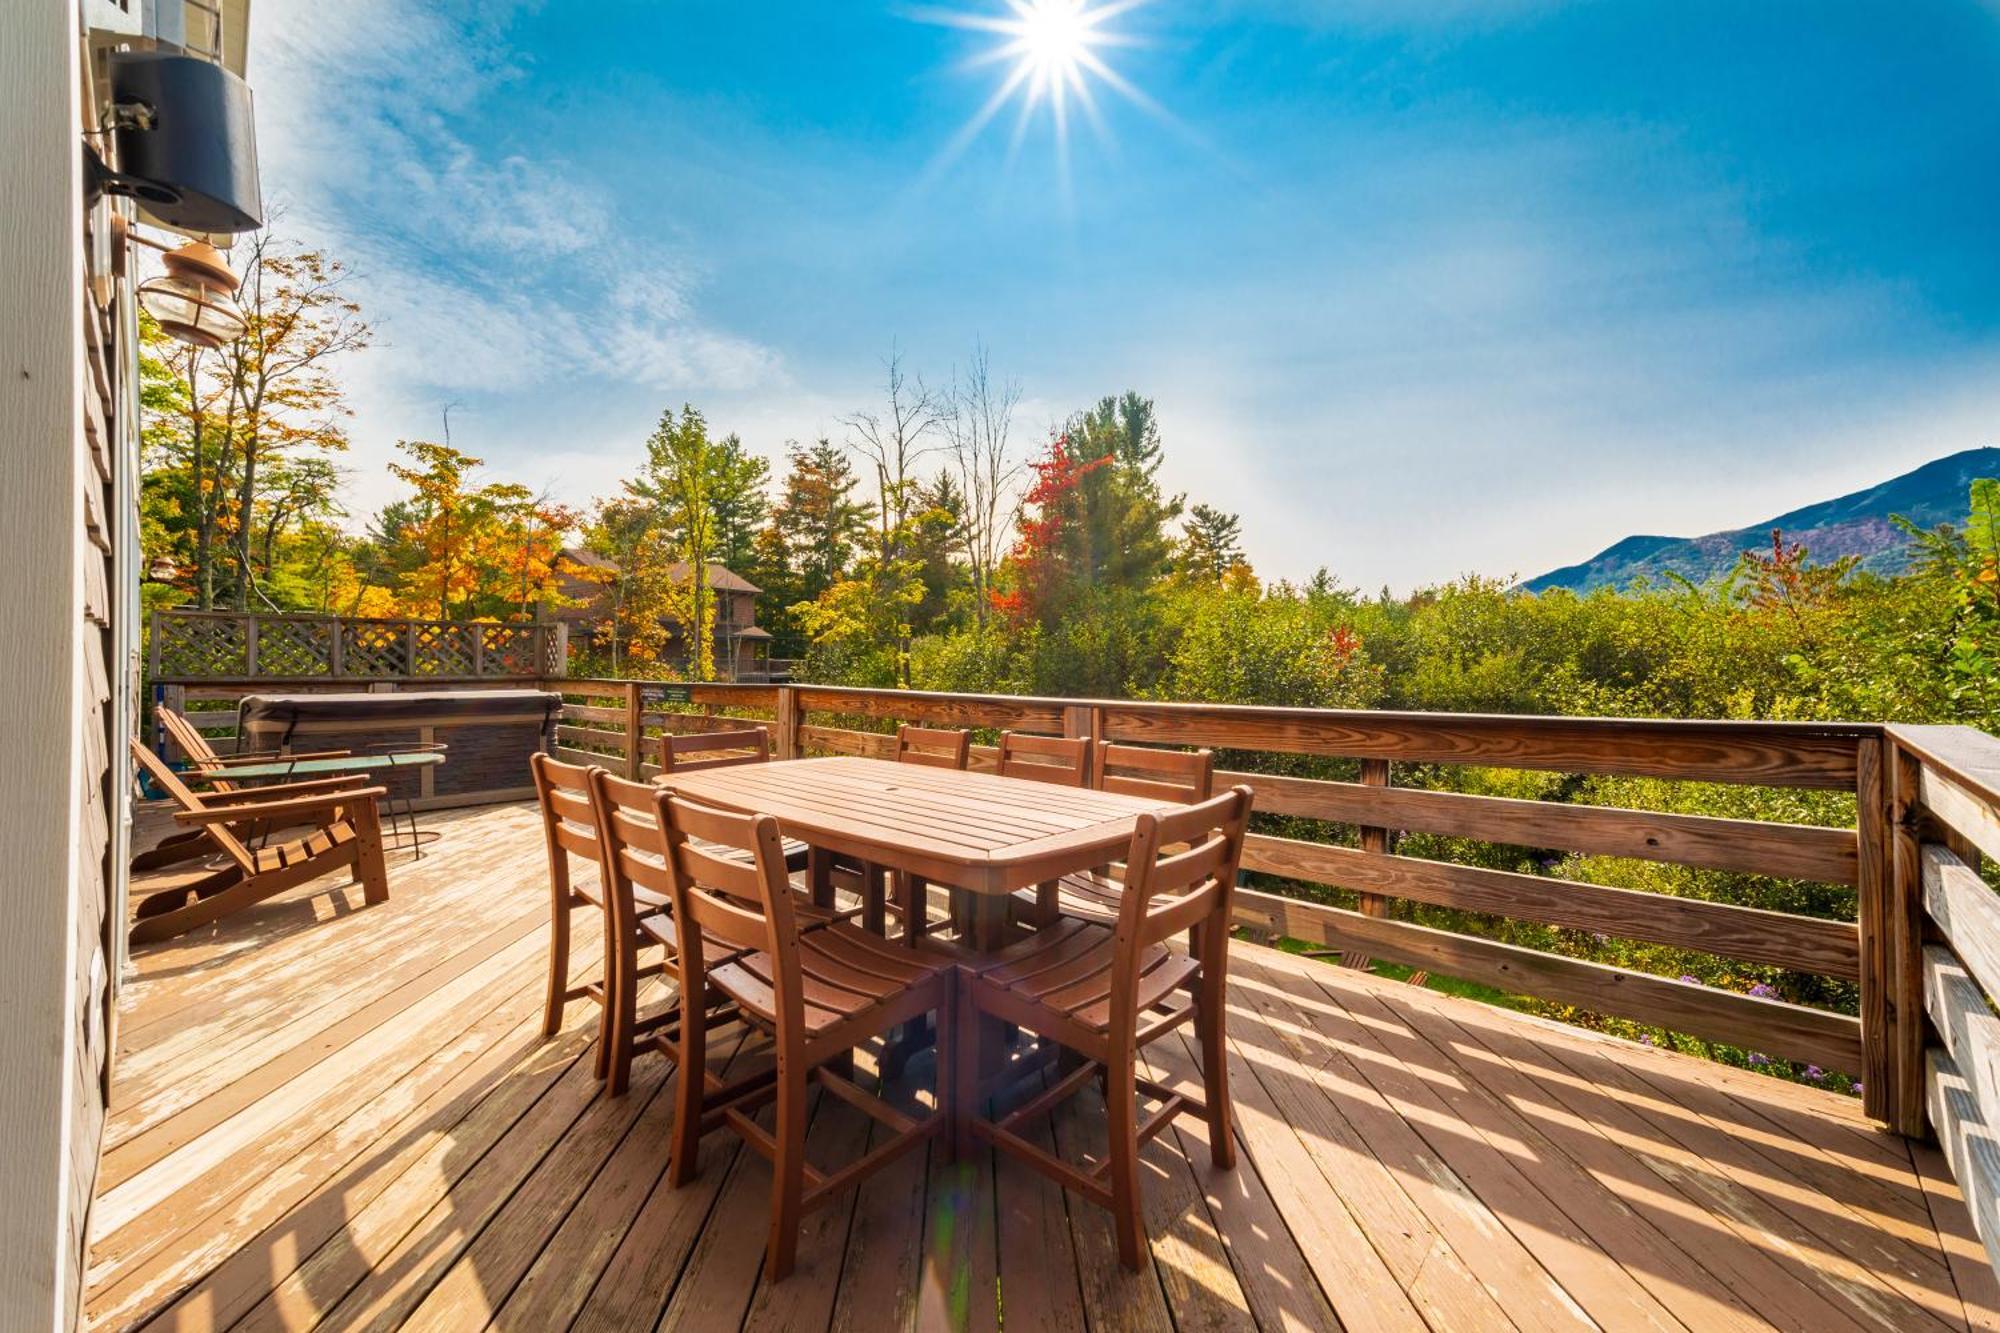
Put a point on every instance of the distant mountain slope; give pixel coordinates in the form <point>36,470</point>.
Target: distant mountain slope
<point>1856,524</point>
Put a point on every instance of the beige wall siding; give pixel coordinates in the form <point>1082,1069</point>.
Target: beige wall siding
<point>64,445</point>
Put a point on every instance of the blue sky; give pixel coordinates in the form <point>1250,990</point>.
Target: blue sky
<point>1420,288</point>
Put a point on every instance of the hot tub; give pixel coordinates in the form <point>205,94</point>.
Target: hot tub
<point>488,735</point>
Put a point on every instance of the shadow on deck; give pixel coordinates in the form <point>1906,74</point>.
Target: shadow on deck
<point>330,1117</point>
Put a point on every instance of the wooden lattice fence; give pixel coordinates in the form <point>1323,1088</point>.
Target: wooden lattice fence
<point>208,645</point>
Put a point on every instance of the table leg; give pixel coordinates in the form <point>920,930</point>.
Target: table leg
<point>983,917</point>
<point>819,875</point>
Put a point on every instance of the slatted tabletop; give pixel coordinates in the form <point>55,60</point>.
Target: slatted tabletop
<point>974,831</point>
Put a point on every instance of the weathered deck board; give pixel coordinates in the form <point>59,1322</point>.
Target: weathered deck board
<point>341,1118</point>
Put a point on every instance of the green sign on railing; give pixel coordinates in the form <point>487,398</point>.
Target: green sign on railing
<point>649,695</point>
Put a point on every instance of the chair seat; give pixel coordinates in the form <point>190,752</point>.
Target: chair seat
<point>846,972</point>
<point>1066,969</point>
<point>315,844</point>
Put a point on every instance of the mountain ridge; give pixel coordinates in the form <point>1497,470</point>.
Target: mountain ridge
<point>1856,524</point>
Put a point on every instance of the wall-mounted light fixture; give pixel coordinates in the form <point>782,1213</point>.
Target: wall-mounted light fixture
<point>195,299</point>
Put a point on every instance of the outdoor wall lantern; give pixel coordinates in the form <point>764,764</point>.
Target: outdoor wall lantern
<point>195,299</point>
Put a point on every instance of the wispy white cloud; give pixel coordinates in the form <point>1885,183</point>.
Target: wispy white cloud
<point>489,274</point>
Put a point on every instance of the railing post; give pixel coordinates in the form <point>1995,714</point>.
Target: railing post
<point>1374,838</point>
<point>250,645</point>
<point>1874,883</point>
<point>559,659</point>
<point>785,727</point>
<point>478,633</point>
<point>337,655</point>
<point>1904,940</point>
<point>635,730</point>
<point>1081,720</point>
<point>153,646</point>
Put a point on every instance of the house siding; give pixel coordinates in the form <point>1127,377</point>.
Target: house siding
<point>68,603</point>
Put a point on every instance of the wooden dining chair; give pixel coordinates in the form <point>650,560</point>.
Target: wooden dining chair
<point>1186,777</point>
<point>346,833</point>
<point>700,752</point>
<point>570,833</point>
<point>1062,760</point>
<point>632,860</point>
<point>1107,992</point>
<point>821,993</point>
<point>934,747</point>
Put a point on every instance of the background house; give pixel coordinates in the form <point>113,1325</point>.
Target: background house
<point>591,594</point>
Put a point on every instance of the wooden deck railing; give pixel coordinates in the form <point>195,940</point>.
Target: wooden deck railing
<point>1941,946</point>
<point>1835,757</point>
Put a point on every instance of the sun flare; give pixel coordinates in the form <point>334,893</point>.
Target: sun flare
<point>1052,51</point>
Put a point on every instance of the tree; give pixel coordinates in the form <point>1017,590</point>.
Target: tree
<point>979,425</point>
<point>446,531</point>
<point>1213,544</point>
<point>1120,537</point>
<point>282,395</point>
<point>683,476</point>
<point>894,441</point>
<point>817,518</point>
<point>737,481</point>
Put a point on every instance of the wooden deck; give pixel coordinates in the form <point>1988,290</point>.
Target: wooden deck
<point>331,1117</point>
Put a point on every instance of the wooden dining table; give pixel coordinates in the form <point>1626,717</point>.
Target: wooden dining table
<point>979,835</point>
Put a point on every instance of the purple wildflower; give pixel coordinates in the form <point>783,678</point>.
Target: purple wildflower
<point>1689,980</point>
<point>1645,1039</point>
<point>1815,1073</point>
<point>1757,1059</point>
<point>1857,1087</point>
<point>1599,937</point>
<point>1764,991</point>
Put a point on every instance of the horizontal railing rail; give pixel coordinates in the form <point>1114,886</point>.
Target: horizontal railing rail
<point>603,715</point>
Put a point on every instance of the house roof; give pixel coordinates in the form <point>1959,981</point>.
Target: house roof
<point>720,576</point>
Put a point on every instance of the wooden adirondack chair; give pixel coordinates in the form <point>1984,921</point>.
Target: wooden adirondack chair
<point>346,832</point>
<point>213,768</point>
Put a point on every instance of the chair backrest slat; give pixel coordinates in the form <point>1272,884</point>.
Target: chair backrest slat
<point>746,904</point>
<point>1179,874</point>
<point>1186,776</point>
<point>634,852</point>
<point>746,744</point>
<point>1063,760</point>
<point>935,747</point>
<point>569,820</point>
<point>184,797</point>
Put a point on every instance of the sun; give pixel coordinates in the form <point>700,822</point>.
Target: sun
<point>1053,54</point>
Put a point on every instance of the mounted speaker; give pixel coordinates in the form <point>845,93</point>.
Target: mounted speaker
<point>187,143</point>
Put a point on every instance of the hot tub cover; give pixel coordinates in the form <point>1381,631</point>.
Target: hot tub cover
<point>265,713</point>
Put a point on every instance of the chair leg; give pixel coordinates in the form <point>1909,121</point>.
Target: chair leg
<point>369,866</point>
<point>621,1003</point>
<point>788,1174</point>
<point>964,1066</point>
<point>1048,904</point>
<point>691,1080</point>
<point>552,1009</point>
<point>1210,1031</point>
<point>1121,1103</point>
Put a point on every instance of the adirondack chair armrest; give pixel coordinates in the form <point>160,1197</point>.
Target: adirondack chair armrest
<point>301,805</point>
<point>282,790</point>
